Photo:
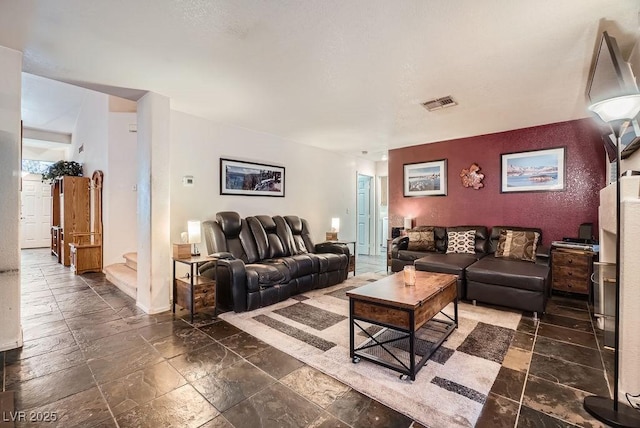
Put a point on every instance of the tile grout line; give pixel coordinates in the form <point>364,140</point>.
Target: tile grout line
<point>604,367</point>
<point>526,378</point>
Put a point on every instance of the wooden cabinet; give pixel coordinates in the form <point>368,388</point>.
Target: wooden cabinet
<point>55,242</point>
<point>571,270</point>
<point>70,214</point>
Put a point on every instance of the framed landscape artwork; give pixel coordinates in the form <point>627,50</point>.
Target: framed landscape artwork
<point>534,171</point>
<point>250,179</point>
<point>426,178</point>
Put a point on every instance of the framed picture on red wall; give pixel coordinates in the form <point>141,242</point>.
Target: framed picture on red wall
<point>533,171</point>
<point>425,178</point>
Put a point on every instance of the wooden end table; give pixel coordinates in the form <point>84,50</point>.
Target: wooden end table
<point>401,310</point>
<point>194,292</point>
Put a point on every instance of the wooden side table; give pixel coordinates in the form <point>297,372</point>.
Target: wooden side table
<point>194,292</point>
<point>571,270</point>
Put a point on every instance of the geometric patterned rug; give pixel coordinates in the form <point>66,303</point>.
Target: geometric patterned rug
<point>451,388</point>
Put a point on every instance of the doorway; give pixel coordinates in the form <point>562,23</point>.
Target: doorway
<point>363,212</point>
<point>35,213</point>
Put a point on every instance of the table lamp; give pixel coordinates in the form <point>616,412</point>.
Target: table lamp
<point>335,228</point>
<point>193,230</point>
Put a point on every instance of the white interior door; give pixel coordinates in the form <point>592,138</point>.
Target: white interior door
<point>364,213</point>
<point>35,218</point>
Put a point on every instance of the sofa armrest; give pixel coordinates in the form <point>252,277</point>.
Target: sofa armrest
<point>399,243</point>
<point>222,255</point>
<point>212,264</point>
<point>231,284</point>
<point>542,255</point>
<point>332,247</point>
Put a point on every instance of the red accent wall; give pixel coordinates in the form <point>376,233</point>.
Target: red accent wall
<point>558,214</point>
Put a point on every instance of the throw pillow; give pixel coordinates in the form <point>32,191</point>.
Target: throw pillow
<point>461,242</point>
<point>421,238</point>
<point>518,245</point>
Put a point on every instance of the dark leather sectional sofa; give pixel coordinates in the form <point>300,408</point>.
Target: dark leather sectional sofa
<point>483,277</point>
<point>264,260</point>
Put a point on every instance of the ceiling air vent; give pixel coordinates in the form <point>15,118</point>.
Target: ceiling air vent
<point>438,103</point>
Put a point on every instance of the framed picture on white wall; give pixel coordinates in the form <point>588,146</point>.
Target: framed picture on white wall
<point>251,179</point>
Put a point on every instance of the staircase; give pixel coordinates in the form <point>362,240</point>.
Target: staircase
<point>125,275</point>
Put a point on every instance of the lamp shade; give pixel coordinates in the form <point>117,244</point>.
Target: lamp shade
<point>407,223</point>
<point>625,107</point>
<point>193,229</point>
<point>335,224</point>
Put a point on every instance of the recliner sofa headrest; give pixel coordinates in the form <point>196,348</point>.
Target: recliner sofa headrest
<point>230,223</point>
<point>266,222</point>
<point>295,223</point>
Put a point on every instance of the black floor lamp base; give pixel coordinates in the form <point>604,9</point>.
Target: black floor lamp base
<point>601,408</point>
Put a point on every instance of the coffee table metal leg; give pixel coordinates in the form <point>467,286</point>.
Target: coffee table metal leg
<point>412,339</point>
<point>351,339</point>
<point>455,311</point>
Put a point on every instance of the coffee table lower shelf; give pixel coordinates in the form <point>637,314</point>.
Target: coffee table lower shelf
<point>394,347</point>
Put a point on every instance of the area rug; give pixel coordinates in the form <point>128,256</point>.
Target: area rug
<point>450,390</point>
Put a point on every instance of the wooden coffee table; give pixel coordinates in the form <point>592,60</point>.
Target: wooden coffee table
<point>401,310</point>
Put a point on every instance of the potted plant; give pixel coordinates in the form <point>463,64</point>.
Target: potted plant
<point>60,169</point>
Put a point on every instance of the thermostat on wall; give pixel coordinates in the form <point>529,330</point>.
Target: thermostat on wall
<point>187,180</point>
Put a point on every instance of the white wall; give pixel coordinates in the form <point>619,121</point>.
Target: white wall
<point>119,215</point>
<point>10,94</point>
<point>91,132</point>
<point>154,201</point>
<point>319,184</point>
<point>110,147</point>
<point>44,154</point>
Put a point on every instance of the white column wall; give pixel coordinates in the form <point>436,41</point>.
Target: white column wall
<point>10,96</point>
<point>153,158</point>
<point>120,218</point>
<point>319,184</point>
<point>629,380</point>
<point>629,358</point>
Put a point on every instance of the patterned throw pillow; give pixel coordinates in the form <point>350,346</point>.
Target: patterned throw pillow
<point>518,244</point>
<point>421,238</point>
<point>461,242</point>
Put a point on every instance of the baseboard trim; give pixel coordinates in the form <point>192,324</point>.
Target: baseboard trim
<point>152,311</point>
<point>12,344</point>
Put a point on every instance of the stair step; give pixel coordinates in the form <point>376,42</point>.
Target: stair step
<point>131,260</point>
<point>123,277</point>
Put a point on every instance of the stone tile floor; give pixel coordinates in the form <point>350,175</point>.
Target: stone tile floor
<point>94,359</point>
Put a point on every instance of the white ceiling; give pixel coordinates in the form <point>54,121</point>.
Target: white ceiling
<point>50,105</point>
<point>343,75</point>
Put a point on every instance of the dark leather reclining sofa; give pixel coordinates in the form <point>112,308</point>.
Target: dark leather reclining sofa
<point>264,260</point>
<point>483,277</point>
